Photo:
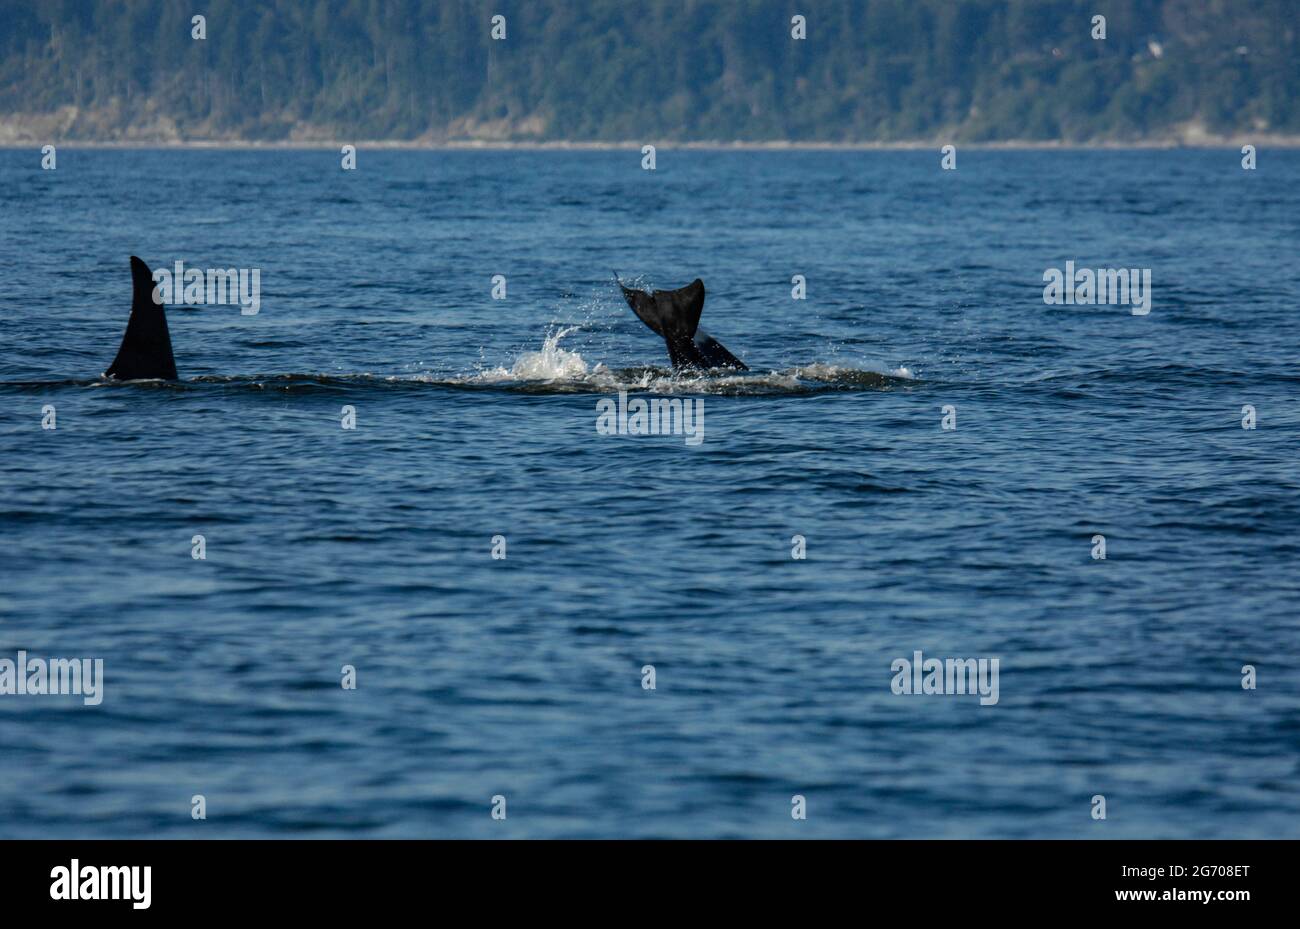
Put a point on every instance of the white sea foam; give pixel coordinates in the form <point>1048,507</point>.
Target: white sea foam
<point>566,370</point>
<point>817,371</point>
<point>552,362</point>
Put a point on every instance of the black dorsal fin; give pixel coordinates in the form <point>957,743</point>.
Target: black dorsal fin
<point>675,316</point>
<point>146,350</point>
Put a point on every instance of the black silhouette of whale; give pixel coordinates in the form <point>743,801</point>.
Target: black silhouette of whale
<point>146,350</point>
<point>675,315</point>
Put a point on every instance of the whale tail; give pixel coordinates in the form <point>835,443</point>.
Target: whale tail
<point>675,316</point>
<point>146,350</point>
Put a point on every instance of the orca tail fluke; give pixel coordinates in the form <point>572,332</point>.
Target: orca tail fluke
<point>714,354</point>
<point>146,350</point>
<point>675,316</point>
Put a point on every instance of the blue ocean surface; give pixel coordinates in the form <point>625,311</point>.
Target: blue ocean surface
<point>522,677</point>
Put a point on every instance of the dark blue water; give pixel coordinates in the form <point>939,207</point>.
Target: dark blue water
<point>522,677</point>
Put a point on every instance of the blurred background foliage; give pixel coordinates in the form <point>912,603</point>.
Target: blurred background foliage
<point>615,70</point>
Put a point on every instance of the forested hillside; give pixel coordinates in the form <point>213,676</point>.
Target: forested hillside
<point>616,70</point>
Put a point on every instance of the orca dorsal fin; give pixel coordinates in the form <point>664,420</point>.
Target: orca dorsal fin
<point>675,316</point>
<point>146,350</point>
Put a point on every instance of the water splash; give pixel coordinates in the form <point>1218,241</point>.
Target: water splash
<point>552,363</point>
<point>558,370</point>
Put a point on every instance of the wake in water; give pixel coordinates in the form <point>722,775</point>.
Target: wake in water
<point>550,370</point>
<point>557,370</point>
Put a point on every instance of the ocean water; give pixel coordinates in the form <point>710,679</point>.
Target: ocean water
<point>476,417</point>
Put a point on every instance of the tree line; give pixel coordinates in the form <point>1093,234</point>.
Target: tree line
<point>620,70</point>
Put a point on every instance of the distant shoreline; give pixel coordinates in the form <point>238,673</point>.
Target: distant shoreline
<point>1262,141</point>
